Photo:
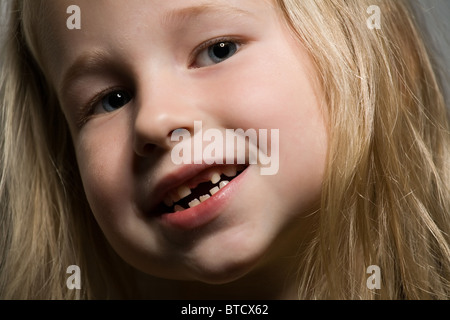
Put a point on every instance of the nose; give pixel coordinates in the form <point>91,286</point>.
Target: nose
<point>163,105</point>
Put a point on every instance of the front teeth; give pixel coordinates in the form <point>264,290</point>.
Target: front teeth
<point>205,197</point>
<point>184,191</point>
<point>230,171</point>
<point>223,183</point>
<point>215,178</point>
<point>194,203</point>
<point>214,190</point>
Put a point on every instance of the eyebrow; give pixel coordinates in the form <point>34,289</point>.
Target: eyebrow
<point>89,62</point>
<point>97,60</point>
<point>178,17</point>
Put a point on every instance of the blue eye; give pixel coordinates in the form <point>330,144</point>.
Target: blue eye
<point>216,53</point>
<point>222,51</point>
<point>115,100</point>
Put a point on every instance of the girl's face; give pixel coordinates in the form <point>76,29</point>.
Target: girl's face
<point>138,70</point>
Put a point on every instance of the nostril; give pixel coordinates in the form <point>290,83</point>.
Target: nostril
<point>145,148</point>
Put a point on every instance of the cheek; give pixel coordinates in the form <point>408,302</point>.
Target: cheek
<point>103,168</point>
<point>283,95</point>
<point>268,90</point>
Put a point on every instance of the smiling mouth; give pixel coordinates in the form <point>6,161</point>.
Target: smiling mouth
<point>199,189</point>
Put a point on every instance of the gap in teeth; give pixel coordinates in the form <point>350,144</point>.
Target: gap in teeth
<point>205,197</point>
<point>184,191</point>
<point>174,197</point>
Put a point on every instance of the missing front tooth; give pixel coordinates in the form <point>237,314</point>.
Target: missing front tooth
<point>201,193</point>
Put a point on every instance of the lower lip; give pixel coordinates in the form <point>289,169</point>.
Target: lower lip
<point>205,212</point>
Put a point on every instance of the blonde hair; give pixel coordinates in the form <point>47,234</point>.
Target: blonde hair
<point>46,224</point>
<point>386,193</point>
<point>385,196</point>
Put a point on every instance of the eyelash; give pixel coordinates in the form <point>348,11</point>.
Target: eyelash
<point>87,111</point>
<point>210,43</point>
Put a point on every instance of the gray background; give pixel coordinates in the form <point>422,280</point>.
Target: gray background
<point>434,16</point>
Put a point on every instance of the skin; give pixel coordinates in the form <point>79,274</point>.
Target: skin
<point>249,250</point>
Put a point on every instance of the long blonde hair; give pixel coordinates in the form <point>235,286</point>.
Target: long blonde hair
<point>46,224</point>
<point>385,198</point>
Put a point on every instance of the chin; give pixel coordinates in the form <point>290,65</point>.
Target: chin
<point>223,274</point>
<point>225,265</point>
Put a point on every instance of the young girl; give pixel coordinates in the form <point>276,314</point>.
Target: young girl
<point>92,93</point>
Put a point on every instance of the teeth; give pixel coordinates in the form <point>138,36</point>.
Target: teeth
<point>194,203</point>
<point>174,195</point>
<point>214,190</point>
<point>168,201</point>
<point>223,183</point>
<point>183,192</point>
<point>178,208</point>
<point>229,171</point>
<point>215,178</point>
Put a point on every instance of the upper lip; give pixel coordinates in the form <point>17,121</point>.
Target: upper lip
<point>174,179</point>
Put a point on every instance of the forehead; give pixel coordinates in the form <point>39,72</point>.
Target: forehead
<point>120,22</point>
<point>115,15</point>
